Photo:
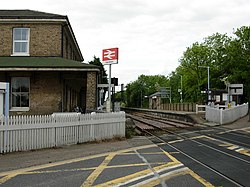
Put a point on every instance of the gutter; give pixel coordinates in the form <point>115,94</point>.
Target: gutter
<point>32,20</point>
<point>50,69</point>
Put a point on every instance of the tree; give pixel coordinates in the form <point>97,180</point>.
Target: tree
<point>239,63</point>
<point>194,77</point>
<point>145,85</point>
<point>218,45</point>
<point>102,76</point>
<point>227,57</point>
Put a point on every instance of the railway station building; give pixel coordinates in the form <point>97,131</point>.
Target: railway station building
<point>41,59</point>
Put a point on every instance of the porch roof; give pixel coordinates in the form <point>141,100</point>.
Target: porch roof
<point>43,64</point>
<point>155,94</point>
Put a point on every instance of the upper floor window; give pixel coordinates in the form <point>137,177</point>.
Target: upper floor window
<point>21,41</point>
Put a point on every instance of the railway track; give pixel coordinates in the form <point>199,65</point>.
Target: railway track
<point>144,121</point>
<point>152,122</point>
<point>198,147</point>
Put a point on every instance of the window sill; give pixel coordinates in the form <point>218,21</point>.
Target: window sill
<point>19,109</point>
<point>20,54</point>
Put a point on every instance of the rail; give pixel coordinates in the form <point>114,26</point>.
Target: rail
<point>178,115</point>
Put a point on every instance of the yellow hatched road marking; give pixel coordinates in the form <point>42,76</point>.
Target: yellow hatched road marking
<point>142,173</point>
<point>57,171</point>
<point>197,137</point>
<point>175,141</point>
<point>200,179</point>
<point>23,170</point>
<point>97,170</point>
<point>233,147</point>
<point>134,175</point>
<point>202,136</point>
<point>8,177</point>
<point>134,165</point>
<point>225,145</point>
<point>245,152</point>
<point>164,177</point>
<point>171,157</point>
<point>183,171</point>
<point>152,153</point>
<point>91,179</point>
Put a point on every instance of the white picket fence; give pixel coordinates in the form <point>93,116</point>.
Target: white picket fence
<point>22,133</point>
<point>228,115</point>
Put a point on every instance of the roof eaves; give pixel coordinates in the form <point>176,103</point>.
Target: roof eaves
<point>48,69</point>
<point>74,38</point>
<point>28,14</point>
<point>43,62</point>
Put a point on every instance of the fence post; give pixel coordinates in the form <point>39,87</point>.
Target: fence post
<point>5,136</point>
<point>92,126</point>
<point>221,116</point>
<point>55,134</point>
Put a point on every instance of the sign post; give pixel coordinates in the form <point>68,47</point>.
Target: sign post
<point>109,57</point>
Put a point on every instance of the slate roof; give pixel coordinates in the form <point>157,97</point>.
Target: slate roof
<point>28,14</point>
<point>38,63</point>
<point>155,94</point>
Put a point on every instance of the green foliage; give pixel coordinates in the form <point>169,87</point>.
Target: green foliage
<point>194,79</point>
<point>138,91</point>
<point>239,63</point>
<point>103,75</point>
<point>227,57</point>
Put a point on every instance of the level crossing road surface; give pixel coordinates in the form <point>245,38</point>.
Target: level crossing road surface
<point>142,165</point>
<point>140,161</point>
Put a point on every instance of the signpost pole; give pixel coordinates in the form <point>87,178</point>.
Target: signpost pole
<point>181,89</point>
<point>109,56</point>
<point>208,85</point>
<point>109,91</point>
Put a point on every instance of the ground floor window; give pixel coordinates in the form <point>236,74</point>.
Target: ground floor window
<point>20,88</point>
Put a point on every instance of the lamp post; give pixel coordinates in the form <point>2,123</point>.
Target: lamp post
<point>141,99</point>
<point>208,82</point>
<point>142,84</point>
<point>181,90</point>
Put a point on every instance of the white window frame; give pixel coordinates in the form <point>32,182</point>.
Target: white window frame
<point>19,108</point>
<point>16,41</point>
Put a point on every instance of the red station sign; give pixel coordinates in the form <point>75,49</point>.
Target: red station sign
<point>110,56</point>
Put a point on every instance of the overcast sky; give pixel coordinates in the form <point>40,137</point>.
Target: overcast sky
<point>151,34</point>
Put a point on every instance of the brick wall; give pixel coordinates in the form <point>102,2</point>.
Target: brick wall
<point>45,39</point>
<point>91,90</point>
<point>69,51</point>
<point>6,39</point>
<point>45,92</point>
